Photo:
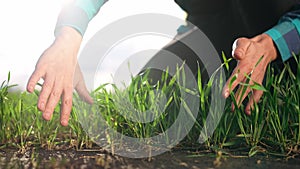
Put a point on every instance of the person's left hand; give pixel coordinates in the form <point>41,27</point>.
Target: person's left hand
<point>61,73</point>
<point>248,53</point>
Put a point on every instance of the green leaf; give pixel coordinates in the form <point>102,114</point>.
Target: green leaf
<point>231,81</point>
<point>257,86</point>
<point>225,60</point>
<point>260,59</point>
<point>8,78</point>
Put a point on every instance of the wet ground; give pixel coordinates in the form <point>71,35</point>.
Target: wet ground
<point>12,158</point>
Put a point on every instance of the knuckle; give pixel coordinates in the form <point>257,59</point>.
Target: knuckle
<point>47,86</point>
<point>55,93</point>
<point>67,102</point>
<point>65,114</point>
<point>238,50</point>
<point>44,96</point>
<point>49,110</point>
<point>69,87</point>
<point>249,69</point>
<point>242,39</point>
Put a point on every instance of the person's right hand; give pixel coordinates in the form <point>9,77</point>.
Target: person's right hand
<point>253,56</point>
<point>58,67</point>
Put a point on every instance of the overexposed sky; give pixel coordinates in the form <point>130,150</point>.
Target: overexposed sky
<point>26,29</point>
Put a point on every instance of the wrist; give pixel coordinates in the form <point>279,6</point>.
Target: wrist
<point>68,36</point>
<point>67,44</point>
<point>269,44</point>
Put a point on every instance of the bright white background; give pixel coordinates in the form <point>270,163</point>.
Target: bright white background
<point>26,29</point>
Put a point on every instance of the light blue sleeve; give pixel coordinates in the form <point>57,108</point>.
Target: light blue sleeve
<point>286,34</point>
<point>78,14</point>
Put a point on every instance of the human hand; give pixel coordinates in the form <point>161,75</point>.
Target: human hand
<point>58,67</point>
<point>248,53</point>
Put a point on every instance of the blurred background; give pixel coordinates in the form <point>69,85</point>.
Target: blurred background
<point>27,30</point>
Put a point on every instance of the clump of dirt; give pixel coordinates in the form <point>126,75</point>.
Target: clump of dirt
<point>98,158</point>
<point>40,158</point>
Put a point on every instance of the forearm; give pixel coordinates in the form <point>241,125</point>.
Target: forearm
<point>286,34</point>
<point>78,14</point>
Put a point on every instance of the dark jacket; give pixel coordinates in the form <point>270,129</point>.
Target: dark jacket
<point>225,20</point>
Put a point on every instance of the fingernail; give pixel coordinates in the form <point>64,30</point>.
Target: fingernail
<point>64,122</point>
<point>47,116</point>
<point>30,88</point>
<point>248,112</point>
<point>232,107</point>
<point>42,106</point>
<point>226,94</point>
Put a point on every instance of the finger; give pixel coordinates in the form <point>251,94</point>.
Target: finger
<point>232,107</point>
<point>241,94</point>
<point>33,80</point>
<point>257,77</point>
<point>53,100</point>
<point>80,86</point>
<point>257,94</point>
<point>66,106</point>
<point>242,45</point>
<point>46,90</point>
<point>83,92</point>
<point>231,84</point>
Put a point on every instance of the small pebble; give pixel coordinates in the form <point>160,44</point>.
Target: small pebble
<point>258,162</point>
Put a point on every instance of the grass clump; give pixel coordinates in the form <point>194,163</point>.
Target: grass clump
<point>145,109</point>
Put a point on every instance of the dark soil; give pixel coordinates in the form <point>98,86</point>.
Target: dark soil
<point>40,158</point>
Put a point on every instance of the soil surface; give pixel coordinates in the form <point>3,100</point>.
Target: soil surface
<point>34,158</point>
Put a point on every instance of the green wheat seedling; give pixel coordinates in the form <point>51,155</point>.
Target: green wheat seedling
<point>143,99</point>
<point>272,128</point>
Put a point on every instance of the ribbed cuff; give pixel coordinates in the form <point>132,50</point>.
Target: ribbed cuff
<point>286,38</point>
<point>74,17</point>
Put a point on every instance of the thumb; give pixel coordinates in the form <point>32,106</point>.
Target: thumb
<point>80,86</point>
<point>240,47</point>
<point>83,92</point>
